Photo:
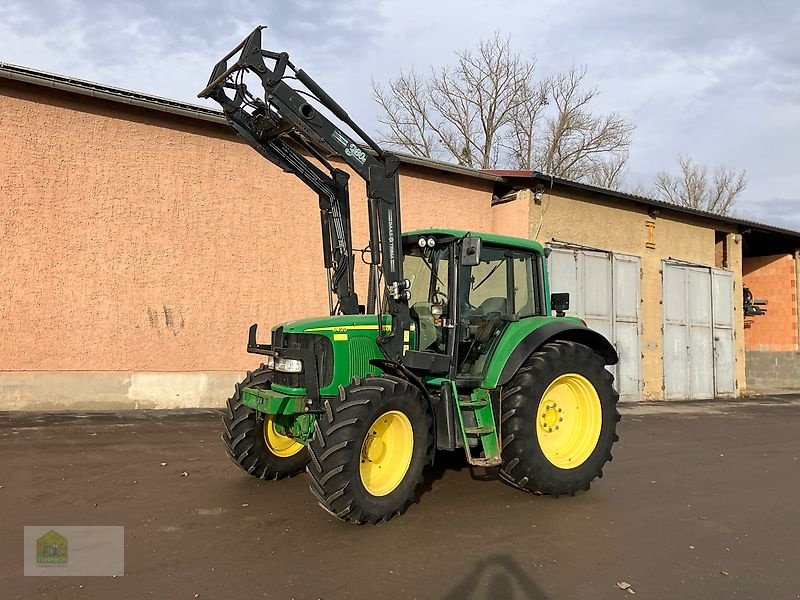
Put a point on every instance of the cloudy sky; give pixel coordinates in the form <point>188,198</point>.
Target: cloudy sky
<point>716,79</point>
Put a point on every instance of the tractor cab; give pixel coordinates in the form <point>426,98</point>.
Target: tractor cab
<point>466,288</point>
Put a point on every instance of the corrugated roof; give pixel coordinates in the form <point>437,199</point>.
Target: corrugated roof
<point>546,179</point>
<point>107,92</point>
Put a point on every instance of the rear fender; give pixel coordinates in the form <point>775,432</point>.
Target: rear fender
<point>561,330</point>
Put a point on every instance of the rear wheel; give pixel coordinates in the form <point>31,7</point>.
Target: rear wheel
<point>559,420</point>
<point>369,449</point>
<point>252,440</point>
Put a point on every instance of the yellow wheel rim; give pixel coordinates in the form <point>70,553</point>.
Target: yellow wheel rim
<point>568,421</point>
<point>386,453</point>
<point>277,443</point>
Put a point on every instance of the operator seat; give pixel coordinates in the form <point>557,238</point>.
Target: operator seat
<point>493,304</point>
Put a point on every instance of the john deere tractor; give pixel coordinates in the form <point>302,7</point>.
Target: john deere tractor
<point>454,348</point>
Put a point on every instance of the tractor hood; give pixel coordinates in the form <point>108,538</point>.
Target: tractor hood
<point>343,346</point>
<point>337,324</point>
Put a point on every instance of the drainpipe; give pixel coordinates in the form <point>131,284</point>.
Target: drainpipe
<point>797,295</point>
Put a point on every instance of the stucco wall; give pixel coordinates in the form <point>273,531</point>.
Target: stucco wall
<point>512,217</point>
<point>137,247</point>
<point>609,225</point>
<point>734,260</point>
<point>137,242</point>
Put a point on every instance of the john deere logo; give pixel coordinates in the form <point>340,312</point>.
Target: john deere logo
<point>51,549</point>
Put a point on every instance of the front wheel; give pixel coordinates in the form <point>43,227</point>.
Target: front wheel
<point>369,449</point>
<point>559,420</point>
<point>253,442</point>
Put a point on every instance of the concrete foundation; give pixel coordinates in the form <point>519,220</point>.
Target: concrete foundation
<point>85,390</point>
<point>773,370</point>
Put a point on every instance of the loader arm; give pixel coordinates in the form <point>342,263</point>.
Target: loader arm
<point>283,124</point>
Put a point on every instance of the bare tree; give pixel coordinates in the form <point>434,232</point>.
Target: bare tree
<point>406,111</point>
<point>693,187</point>
<point>523,144</point>
<point>578,141</point>
<point>460,112</point>
<point>489,111</point>
<point>609,173</point>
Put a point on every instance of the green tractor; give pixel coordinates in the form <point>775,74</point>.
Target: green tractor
<point>455,347</point>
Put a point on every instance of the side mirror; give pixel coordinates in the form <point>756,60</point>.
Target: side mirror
<point>471,251</point>
<point>559,303</point>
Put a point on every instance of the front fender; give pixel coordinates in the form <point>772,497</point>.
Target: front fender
<point>509,357</point>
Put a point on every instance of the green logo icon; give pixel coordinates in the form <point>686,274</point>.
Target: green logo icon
<point>51,549</point>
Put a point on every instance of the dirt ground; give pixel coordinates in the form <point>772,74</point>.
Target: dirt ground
<point>701,501</point>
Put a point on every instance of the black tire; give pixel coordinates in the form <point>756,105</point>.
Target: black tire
<point>336,450</point>
<point>243,436</point>
<point>524,463</point>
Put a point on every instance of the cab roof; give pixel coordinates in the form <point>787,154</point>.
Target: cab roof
<point>489,238</point>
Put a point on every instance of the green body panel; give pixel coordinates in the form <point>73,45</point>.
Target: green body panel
<point>336,322</point>
<point>272,402</point>
<point>289,412</point>
<point>354,340</point>
<point>512,336</point>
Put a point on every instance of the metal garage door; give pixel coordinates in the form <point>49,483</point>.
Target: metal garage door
<point>699,345</point>
<point>604,291</point>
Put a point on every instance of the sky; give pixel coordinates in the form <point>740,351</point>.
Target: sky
<point>718,80</point>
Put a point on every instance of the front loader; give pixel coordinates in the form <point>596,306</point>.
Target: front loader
<point>455,348</point>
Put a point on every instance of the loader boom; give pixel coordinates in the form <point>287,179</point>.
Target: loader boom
<point>281,126</point>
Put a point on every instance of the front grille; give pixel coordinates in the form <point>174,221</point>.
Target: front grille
<point>318,344</point>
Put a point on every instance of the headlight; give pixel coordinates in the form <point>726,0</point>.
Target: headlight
<point>289,365</point>
<point>270,362</point>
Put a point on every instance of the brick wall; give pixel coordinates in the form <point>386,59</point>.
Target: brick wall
<point>772,278</point>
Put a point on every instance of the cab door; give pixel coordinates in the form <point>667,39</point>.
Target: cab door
<point>500,290</point>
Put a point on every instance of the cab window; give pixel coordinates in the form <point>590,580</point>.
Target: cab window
<point>487,290</point>
<point>428,272</point>
<point>504,282</point>
<point>502,288</point>
<point>525,281</point>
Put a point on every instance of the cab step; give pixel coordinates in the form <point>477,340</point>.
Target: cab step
<point>480,404</point>
<point>486,462</point>
<point>472,403</point>
<point>478,430</point>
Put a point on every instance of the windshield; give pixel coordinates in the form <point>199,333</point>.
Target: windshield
<point>427,270</point>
